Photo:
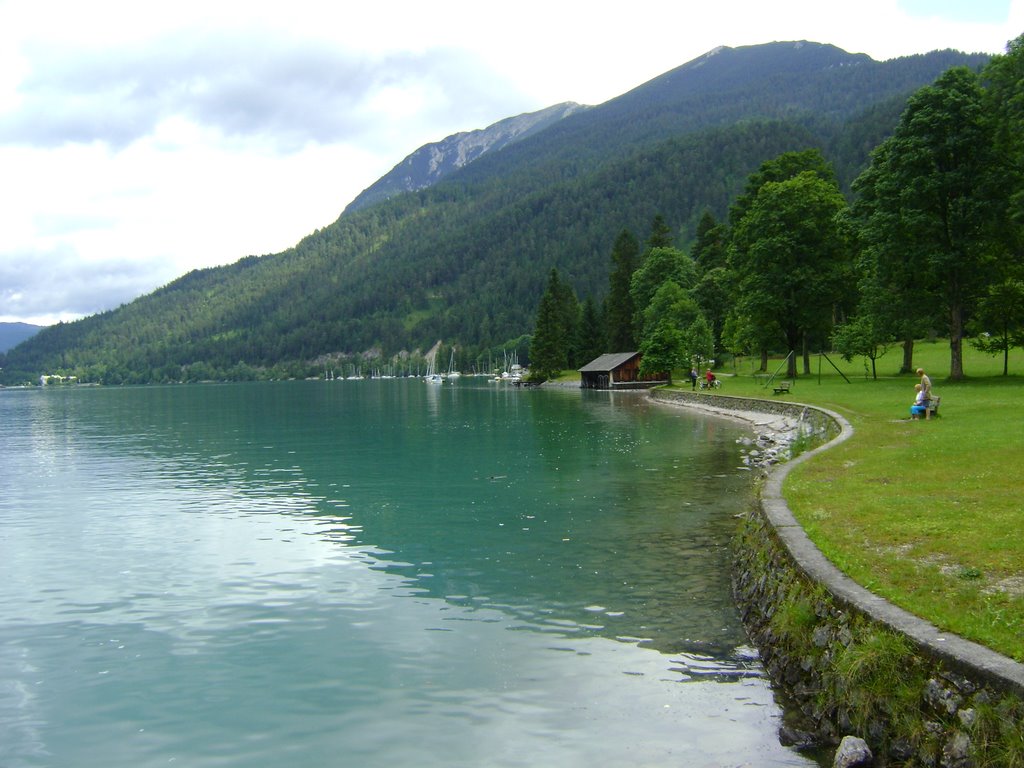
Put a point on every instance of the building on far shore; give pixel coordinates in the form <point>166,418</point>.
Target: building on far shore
<point>618,370</point>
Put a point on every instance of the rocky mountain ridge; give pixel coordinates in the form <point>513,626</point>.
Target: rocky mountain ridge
<point>432,162</point>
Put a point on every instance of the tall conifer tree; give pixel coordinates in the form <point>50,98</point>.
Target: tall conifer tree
<point>591,337</point>
<point>619,304</point>
<point>661,235</point>
<point>556,331</point>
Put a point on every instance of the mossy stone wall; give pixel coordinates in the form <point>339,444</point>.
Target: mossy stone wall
<point>840,670</point>
<point>845,674</point>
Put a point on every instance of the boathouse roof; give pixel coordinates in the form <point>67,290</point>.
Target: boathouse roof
<point>608,362</point>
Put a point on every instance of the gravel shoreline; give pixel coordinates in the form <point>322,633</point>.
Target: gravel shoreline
<point>774,432</point>
<point>776,426</point>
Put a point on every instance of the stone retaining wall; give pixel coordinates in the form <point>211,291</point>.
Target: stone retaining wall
<point>850,662</point>
<point>714,401</point>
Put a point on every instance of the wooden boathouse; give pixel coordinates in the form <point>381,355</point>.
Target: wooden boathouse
<point>618,370</point>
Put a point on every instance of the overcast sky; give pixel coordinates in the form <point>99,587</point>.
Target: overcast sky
<point>139,141</point>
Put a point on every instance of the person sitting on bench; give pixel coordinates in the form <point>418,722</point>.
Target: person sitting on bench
<point>920,404</point>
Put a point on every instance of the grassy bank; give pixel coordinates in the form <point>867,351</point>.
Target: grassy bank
<point>925,513</point>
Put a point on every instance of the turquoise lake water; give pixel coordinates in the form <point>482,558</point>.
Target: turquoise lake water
<point>372,573</point>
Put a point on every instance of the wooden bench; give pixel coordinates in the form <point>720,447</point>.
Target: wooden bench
<point>783,387</point>
<point>933,407</point>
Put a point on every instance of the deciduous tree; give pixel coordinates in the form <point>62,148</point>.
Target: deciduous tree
<point>661,266</point>
<point>790,254</point>
<point>662,350</point>
<point>1000,320</point>
<point>931,199</point>
<point>1003,99</point>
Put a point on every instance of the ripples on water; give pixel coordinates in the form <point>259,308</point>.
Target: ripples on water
<point>262,575</point>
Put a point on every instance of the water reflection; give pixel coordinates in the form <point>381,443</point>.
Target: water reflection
<point>545,503</point>
<point>378,556</point>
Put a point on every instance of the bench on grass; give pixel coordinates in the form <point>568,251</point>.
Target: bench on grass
<point>783,387</point>
<point>932,409</point>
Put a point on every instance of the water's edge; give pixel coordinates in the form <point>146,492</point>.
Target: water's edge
<point>778,570</point>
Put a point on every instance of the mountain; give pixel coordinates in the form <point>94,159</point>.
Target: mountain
<point>466,259</point>
<point>12,334</point>
<point>432,162</point>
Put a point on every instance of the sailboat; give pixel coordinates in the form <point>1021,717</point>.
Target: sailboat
<point>452,372</point>
<point>432,377</point>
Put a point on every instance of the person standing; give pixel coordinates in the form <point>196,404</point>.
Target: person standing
<point>926,384</point>
<point>693,377</point>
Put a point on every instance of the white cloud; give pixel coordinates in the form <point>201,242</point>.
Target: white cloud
<point>141,141</point>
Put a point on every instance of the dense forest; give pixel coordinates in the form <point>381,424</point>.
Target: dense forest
<point>468,260</point>
<point>933,243</point>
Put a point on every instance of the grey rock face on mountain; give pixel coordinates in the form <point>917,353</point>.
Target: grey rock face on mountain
<point>432,162</point>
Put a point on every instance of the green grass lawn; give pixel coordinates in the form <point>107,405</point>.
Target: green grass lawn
<point>928,514</point>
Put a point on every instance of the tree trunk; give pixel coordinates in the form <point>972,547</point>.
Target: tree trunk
<point>807,358</point>
<point>908,356</point>
<point>956,342</point>
<point>764,361</point>
<point>794,337</point>
<point>791,363</point>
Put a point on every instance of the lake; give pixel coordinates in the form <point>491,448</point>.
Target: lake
<point>371,573</point>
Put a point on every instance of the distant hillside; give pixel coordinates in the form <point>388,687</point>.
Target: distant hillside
<point>465,260</point>
<point>12,334</point>
<point>432,162</point>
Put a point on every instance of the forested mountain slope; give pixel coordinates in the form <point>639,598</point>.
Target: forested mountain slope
<point>466,260</point>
